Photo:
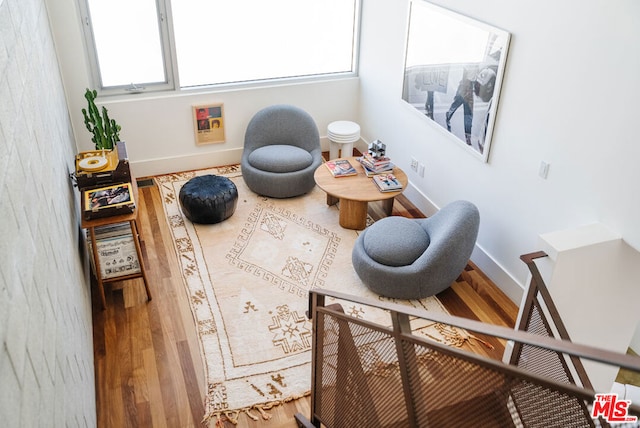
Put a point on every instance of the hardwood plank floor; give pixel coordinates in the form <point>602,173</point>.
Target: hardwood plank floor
<point>149,370</point>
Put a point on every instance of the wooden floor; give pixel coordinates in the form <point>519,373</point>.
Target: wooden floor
<point>148,366</point>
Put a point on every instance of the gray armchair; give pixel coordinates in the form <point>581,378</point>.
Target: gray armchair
<point>415,258</point>
<point>281,152</point>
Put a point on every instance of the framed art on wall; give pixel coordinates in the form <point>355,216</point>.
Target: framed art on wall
<point>209,123</point>
<point>453,73</point>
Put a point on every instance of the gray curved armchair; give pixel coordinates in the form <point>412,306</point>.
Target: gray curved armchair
<point>281,152</point>
<point>415,258</point>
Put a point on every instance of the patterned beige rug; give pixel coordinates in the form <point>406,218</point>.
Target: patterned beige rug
<point>248,278</point>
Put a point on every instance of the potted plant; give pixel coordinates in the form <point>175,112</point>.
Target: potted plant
<point>104,129</point>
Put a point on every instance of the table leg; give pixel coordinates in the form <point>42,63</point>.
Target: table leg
<point>353,214</point>
<point>346,151</point>
<point>387,206</point>
<point>96,261</point>
<point>333,150</point>
<point>331,200</point>
<point>136,241</point>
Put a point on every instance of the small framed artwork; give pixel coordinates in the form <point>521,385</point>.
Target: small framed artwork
<point>209,124</point>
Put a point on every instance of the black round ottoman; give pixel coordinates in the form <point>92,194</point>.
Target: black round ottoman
<point>208,199</point>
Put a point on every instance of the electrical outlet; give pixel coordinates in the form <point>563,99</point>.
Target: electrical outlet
<point>414,164</point>
<point>421,170</point>
<point>543,171</point>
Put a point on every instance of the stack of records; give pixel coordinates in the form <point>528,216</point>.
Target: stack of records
<point>116,250</point>
<point>373,166</point>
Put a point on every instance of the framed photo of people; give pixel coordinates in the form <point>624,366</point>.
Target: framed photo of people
<point>209,123</point>
<point>453,73</point>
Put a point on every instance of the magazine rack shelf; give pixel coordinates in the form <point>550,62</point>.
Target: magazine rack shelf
<point>131,219</point>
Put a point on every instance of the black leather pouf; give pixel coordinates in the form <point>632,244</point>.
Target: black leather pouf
<point>208,199</point>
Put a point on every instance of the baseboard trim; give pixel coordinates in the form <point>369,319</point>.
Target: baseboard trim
<point>158,166</point>
<point>496,272</point>
<point>167,165</point>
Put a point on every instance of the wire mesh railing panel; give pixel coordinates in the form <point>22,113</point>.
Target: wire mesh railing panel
<point>539,360</point>
<point>536,323</point>
<point>372,375</point>
<point>450,391</point>
<point>540,316</point>
<point>327,359</point>
<point>361,385</point>
<point>360,377</point>
<point>541,407</point>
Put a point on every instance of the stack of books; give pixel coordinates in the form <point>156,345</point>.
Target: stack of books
<point>373,166</point>
<point>387,182</point>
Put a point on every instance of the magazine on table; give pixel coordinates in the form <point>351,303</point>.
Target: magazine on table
<point>341,168</point>
<point>387,182</point>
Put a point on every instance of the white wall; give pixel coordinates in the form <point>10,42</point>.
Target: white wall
<point>159,130</point>
<point>46,336</point>
<point>569,98</point>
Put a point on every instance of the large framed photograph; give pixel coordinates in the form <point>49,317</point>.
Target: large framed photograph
<point>453,72</point>
<point>209,123</point>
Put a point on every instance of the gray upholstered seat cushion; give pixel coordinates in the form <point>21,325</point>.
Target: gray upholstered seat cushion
<point>280,158</point>
<point>395,241</point>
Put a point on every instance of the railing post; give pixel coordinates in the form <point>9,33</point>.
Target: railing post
<point>408,364</point>
<point>316,300</point>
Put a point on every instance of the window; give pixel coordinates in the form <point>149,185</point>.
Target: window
<point>145,44</point>
<point>128,44</point>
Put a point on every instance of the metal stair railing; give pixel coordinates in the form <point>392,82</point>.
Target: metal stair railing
<point>366,374</point>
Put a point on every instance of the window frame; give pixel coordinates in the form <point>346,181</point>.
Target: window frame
<point>172,80</point>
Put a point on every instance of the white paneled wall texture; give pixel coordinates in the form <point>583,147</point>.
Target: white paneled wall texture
<point>46,350</point>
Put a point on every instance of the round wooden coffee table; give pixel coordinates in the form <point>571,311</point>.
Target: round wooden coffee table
<point>355,192</point>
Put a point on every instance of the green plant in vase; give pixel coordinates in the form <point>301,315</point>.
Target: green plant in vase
<point>104,129</point>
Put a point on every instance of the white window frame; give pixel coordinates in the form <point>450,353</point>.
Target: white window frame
<point>172,82</point>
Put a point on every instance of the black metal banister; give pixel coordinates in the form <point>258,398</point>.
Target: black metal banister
<point>584,351</point>
<point>390,374</point>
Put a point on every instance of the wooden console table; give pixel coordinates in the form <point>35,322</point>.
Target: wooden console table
<point>91,225</point>
<point>355,192</point>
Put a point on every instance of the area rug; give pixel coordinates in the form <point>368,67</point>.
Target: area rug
<point>248,278</point>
